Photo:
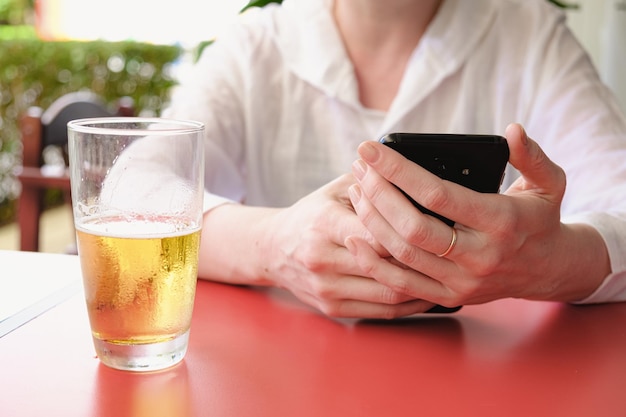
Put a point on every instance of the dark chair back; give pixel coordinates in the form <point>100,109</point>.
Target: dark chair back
<point>43,131</point>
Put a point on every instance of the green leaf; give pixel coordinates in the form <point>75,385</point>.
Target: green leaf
<point>259,3</point>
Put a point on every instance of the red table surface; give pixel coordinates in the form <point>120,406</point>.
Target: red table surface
<point>262,353</point>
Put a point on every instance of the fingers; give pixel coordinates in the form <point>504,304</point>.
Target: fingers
<point>476,214</point>
<point>538,172</point>
<point>400,227</point>
<point>352,296</point>
<point>397,278</point>
<point>358,297</point>
<point>359,309</point>
<point>453,201</point>
<point>496,235</point>
<point>418,231</point>
<point>342,215</point>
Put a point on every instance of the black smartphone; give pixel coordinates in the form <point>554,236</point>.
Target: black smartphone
<point>474,161</point>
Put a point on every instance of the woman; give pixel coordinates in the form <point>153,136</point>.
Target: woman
<point>289,93</point>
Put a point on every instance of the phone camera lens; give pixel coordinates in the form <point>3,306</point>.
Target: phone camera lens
<point>441,165</point>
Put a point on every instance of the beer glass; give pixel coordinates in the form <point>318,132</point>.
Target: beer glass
<point>137,190</point>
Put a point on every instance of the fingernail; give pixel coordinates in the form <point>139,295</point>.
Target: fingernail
<point>358,168</point>
<point>355,194</point>
<point>524,137</point>
<point>522,132</point>
<point>368,152</point>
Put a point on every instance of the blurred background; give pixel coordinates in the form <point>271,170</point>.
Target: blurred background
<point>600,25</point>
<point>185,22</point>
<point>116,48</point>
<point>139,48</point>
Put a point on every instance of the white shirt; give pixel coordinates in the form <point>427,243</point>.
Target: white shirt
<point>279,99</point>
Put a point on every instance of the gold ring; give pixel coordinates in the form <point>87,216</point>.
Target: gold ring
<point>452,244</point>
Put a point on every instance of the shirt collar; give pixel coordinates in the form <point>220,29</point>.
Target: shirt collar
<point>446,46</point>
<point>312,48</point>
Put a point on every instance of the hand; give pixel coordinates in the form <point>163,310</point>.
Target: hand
<point>300,248</point>
<point>306,256</point>
<point>510,245</point>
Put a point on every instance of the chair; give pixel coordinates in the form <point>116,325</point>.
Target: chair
<point>44,140</point>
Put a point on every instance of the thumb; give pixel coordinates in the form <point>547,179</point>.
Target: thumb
<point>538,172</point>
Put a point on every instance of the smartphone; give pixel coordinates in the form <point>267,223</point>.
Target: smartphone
<point>477,162</point>
<point>474,161</point>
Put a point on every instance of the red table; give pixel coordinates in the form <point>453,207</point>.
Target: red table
<point>256,352</point>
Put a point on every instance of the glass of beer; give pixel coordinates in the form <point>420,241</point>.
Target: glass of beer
<point>137,194</point>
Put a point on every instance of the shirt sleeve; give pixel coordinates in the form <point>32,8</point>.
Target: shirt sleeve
<point>613,229</point>
<point>579,124</point>
<point>210,92</point>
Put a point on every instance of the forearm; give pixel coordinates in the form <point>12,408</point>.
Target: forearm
<point>233,247</point>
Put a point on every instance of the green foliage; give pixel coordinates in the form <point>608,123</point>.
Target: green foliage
<point>15,12</point>
<point>17,32</point>
<point>35,73</point>
<point>259,3</point>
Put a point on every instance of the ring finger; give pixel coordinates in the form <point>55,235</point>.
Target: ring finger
<point>414,231</point>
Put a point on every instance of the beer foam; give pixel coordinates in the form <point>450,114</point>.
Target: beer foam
<point>138,226</point>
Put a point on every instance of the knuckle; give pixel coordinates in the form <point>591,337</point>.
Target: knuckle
<point>434,197</point>
<point>401,285</point>
<point>390,297</point>
<point>456,299</point>
<point>404,253</point>
<point>308,255</point>
<point>461,293</point>
<point>475,284</point>
<point>507,222</point>
<point>415,231</point>
<point>561,180</point>
<point>490,262</point>
<point>367,268</point>
<point>323,291</point>
<point>336,309</point>
<point>330,310</point>
<point>366,215</point>
<point>559,174</point>
<point>393,172</point>
<point>389,313</point>
<point>376,191</point>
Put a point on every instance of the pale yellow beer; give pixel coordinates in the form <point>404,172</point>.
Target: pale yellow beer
<point>137,199</point>
<point>139,289</point>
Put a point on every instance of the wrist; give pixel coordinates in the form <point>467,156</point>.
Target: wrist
<point>234,245</point>
<point>580,264</point>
